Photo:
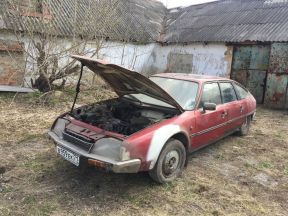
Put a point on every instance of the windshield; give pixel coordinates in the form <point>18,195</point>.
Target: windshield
<point>184,92</point>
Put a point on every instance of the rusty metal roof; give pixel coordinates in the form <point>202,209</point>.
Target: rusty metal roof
<point>127,20</point>
<point>229,21</point>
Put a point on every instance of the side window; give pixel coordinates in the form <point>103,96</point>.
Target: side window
<point>228,93</point>
<point>242,93</point>
<point>211,94</point>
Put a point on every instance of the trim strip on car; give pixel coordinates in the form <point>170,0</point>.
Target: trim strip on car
<point>220,125</point>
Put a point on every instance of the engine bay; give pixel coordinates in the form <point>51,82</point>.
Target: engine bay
<point>121,115</point>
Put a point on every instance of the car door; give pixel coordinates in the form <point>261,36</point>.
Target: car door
<point>242,94</point>
<point>234,108</point>
<point>209,125</point>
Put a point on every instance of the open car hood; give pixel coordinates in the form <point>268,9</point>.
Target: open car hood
<point>124,81</point>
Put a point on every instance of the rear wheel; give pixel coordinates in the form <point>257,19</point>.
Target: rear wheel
<point>244,129</point>
<point>170,162</point>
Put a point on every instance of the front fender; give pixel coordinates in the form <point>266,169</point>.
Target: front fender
<point>159,139</point>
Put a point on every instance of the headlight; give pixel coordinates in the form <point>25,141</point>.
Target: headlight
<point>60,126</point>
<point>111,148</point>
<point>124,154</point>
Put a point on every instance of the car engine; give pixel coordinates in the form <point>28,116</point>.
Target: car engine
<point>121,116</point>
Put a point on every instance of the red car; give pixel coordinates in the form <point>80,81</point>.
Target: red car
<point>154,123</point>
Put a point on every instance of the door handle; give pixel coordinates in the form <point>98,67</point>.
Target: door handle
<point>241,109</point>
<point>224,114</point>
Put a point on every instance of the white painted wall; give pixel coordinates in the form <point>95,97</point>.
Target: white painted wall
<point>131,56</point>
<point>211,59</point>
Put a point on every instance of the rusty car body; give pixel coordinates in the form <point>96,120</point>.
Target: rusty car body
<point>154,123</point>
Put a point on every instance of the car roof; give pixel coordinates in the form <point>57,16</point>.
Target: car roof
<point>191,77</point>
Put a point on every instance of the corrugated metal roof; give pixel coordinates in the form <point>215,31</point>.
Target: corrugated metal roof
<point>229,21</point>
<point>128,20</point>
<point>142,20</point>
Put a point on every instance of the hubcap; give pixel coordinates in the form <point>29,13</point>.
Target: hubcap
<point>171,162</point>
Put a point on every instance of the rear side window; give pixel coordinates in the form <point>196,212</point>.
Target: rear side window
<point>242,93</point>
<point>228,93</point>
<point>211,94</point>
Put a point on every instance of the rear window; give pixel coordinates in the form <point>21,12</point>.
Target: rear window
<point>242,93</point>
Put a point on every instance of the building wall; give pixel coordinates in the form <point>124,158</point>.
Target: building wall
<point>197,58</point>
<point>277,80</point>
<point>9,71</point>
<point>131,56</point>
<point>11,63</point>
<point>211,59</point>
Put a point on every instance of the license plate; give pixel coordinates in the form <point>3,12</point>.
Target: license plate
<point>68,155</point>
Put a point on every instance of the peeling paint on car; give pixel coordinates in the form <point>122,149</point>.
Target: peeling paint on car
<point>160,137</point>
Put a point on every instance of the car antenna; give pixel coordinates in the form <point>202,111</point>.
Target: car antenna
<point>77,87</point>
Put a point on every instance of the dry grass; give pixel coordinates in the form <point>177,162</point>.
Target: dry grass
<point>236,176</point>
<point>25,117</point>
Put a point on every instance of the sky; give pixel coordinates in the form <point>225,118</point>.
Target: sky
<point>177,3</point>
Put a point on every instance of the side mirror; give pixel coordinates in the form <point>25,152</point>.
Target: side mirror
<point>209,106</point>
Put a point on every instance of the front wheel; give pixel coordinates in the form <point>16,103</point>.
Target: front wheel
<point>170,162</point>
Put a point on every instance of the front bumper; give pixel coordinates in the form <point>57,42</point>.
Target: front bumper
<point>130,166</point>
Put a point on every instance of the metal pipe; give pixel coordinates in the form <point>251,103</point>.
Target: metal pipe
<point>77,88</point>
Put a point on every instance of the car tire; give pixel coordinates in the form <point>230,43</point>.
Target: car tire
<point>244,129</point>
<point>170,163</point>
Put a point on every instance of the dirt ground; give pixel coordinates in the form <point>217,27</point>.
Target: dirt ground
<point>236,176</point>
